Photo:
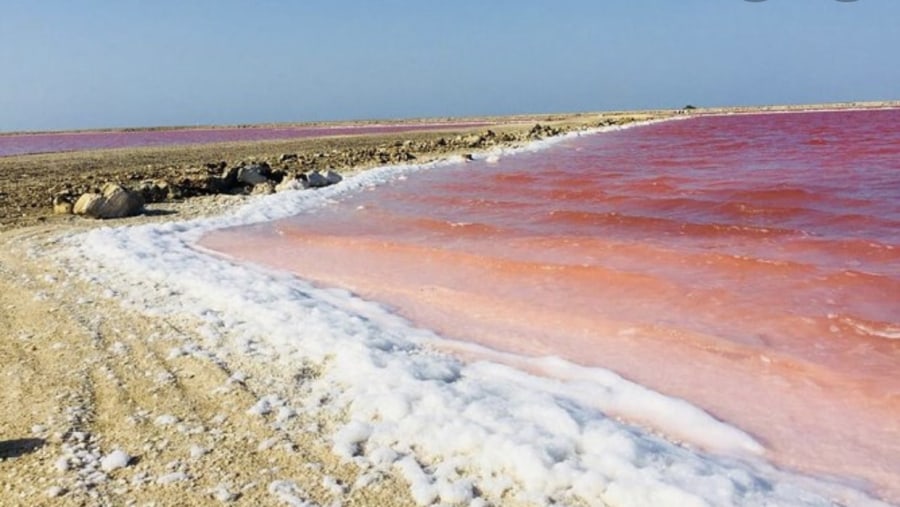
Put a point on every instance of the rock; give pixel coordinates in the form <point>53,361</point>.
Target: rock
<point>62,203</point>
<point>277,175</point>
<point>171,478</point>
<point>332,177</point>
<point>229,176</point>
<point>120,202</point>
<point>154,190</point>
<point>404,156</point>
<point>198,185</point>
<point>55,491</point>
<point>115,201</point>
<point>540,131</point>
<point>215,166</point>
<point>252,174</point>
<point>88,204</point>
<point>114,460</point>
<point>315,180</point>
<point>222,494</point>
<point>473,141</point>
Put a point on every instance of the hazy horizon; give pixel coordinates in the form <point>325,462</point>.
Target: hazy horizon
<point>147,64</point>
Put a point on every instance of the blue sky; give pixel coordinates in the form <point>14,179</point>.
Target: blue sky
<point>81,64</point>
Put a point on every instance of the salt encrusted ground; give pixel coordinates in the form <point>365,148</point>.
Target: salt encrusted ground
<point>84,378</point>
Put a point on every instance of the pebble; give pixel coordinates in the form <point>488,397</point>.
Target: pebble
<point>62,464</point>
<point>114,461</point>
<point>165,420</point>
<point>171,478</point>
<point>55,491</point>
<point>222,494</point>
<point>197,451</point>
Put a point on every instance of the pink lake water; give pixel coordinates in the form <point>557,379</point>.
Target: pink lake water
<point>749,264</point>
<point>51,142</point>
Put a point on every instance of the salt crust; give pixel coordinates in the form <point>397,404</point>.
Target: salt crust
<point>459,433</point>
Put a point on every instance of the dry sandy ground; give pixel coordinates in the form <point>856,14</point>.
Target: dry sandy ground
<point>83,377</point>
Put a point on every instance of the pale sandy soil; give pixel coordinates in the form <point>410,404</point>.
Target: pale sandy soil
<point>83,376</point>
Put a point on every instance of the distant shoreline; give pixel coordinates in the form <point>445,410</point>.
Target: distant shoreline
<point>31,184</point>
<point>451,121</point>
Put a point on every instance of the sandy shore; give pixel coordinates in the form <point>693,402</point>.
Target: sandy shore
<point>86,376</point>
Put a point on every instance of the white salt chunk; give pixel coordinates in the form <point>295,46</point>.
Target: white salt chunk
<point>114,460</point>
<point>55,491</point>
<point>289,494</point>
<point>171,478</point>
<point>197,451</point>
<point>267,444</point>
<point>285,413</point>
<point>261,408</point>
<point>222,494</point>
<point>165,420</point>
<point>62,464</point>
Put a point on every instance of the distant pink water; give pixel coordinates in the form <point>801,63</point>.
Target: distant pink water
<point>749,264</point>
<point>20,144</point>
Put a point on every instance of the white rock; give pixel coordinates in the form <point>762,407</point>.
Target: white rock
<point>288,493</point>
<point>285,413</point>
<point>267,444</point>
<point>165,420</point>
<point>114,460</point>
<point>171,478</point>
<point>262,407</point>
<point>55,491</point>
<point>197,451</point>
<point>62,464</point>
<point>222,494</point>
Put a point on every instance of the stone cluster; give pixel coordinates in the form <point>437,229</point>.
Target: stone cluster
<point>264,175</point>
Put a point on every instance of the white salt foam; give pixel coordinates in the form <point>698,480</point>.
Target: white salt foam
<point>457,432</point>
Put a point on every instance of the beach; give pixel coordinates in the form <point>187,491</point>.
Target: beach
<point>176,390</point>
<point>87,376</point>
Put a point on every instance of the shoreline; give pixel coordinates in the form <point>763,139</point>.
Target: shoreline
<point>30,183</point>
<point>488,119</point>
<point>94,375</point>
<point>138,369</point>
